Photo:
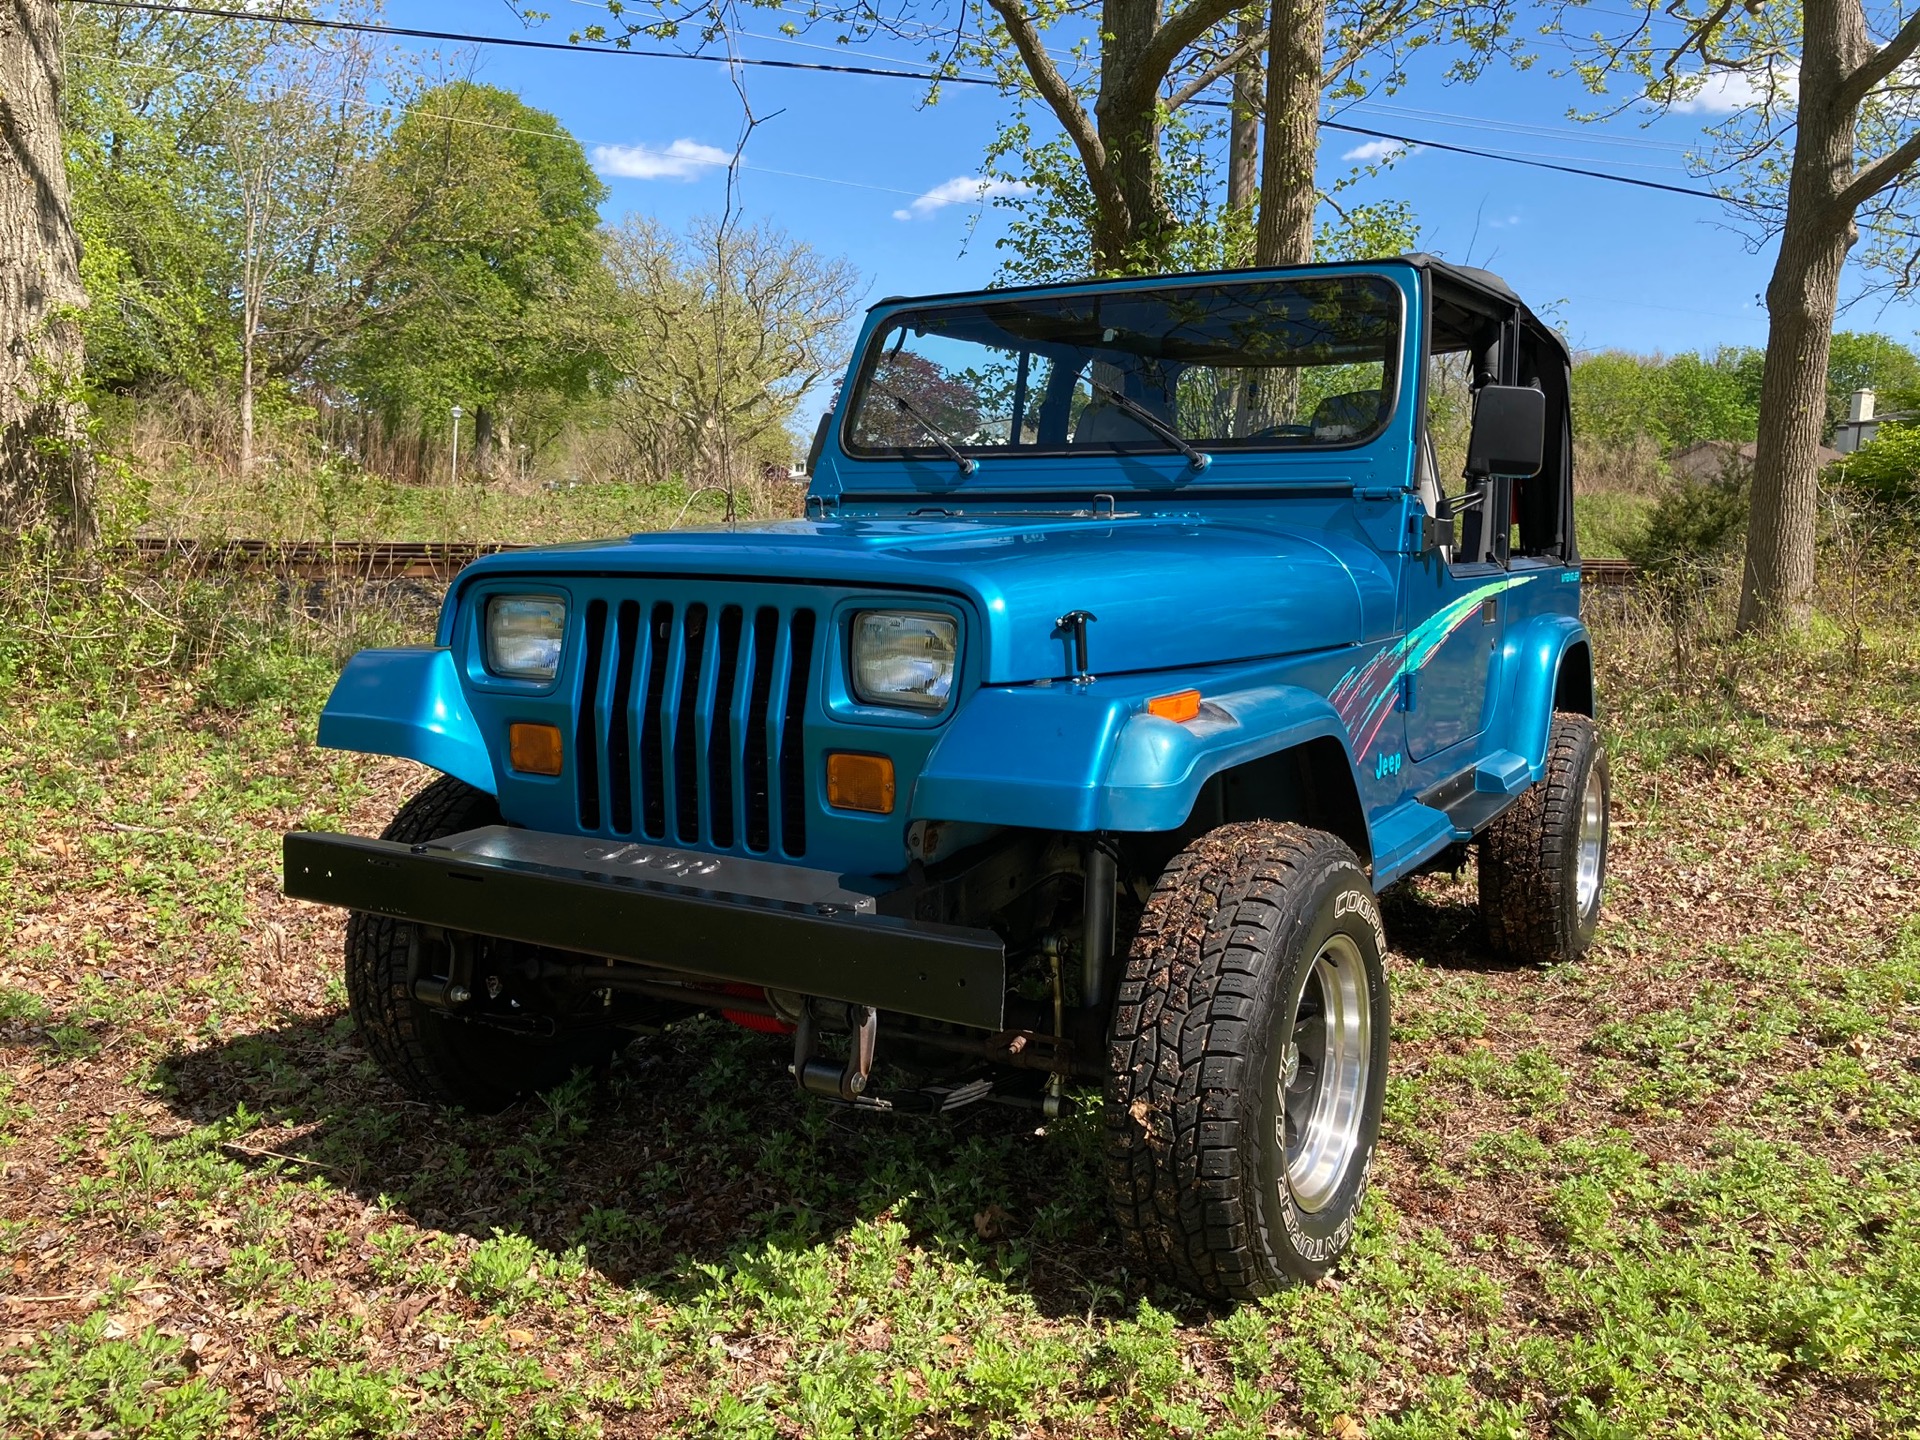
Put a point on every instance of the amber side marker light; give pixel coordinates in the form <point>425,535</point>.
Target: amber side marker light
<point>860,782</point>
<point>534,749</point>
<point>1182,705</point>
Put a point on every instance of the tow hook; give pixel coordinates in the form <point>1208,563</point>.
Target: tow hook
<point>823,1077</point>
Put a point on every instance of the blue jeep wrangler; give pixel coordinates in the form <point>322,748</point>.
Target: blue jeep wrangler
<point>1132,644</point>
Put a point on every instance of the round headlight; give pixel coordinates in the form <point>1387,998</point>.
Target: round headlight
<point>524,635</point>
<point>903,658</point>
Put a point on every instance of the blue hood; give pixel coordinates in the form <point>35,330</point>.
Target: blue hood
<point>1167,591</point>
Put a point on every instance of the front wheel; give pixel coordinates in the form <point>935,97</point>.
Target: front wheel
<point>1248,1062</point>
<point>437,1056</point>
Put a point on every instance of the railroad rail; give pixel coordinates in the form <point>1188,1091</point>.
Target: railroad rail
<point>436,559</point>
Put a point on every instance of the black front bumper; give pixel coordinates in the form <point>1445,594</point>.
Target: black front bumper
<point>711,917</point>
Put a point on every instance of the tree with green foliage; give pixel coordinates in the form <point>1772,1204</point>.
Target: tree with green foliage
<point>1886,470</point>
<point>1869,362</point>
<point>148,107</point>
<point>1823,149</point>
<point>486,262</point>
<point>1120,81</point>
<point>715,336</point>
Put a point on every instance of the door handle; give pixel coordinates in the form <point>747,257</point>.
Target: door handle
<point>1490,610</point>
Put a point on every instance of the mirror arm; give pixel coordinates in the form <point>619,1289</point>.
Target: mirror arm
<point>1439,525</point>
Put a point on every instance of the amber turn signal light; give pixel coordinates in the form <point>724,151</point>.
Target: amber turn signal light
<point>534,749</point>
<point>1182,705</point>
<point>860,782</point>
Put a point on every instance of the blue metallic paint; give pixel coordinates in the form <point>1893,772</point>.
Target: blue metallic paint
<point>408,703</point>
<point>1275,584</point>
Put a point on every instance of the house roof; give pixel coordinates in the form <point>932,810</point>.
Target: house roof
<point>1710,459</point>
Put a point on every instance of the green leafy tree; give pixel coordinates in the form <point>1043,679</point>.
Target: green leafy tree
<point>1818,154</point>
<point>1886,470</point>
<point>714,337</point>
<point>1118,81</point>
<point>149,103</point>
<point>1869,362</point>
<point>486,262</point>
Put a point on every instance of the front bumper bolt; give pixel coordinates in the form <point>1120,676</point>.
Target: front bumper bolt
<point>458,994</point>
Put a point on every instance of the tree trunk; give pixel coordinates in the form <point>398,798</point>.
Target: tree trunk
<point>1243,140</point>
<point>1288,197</point>
<point>246,397</point>
<point>1802,298</point>
<point>1128,120</point>
<point>46,470</point>
<point>483,442</point>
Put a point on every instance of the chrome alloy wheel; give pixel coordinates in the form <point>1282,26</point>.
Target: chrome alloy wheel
<point>1323,1074</point>
<point>1592,848</point>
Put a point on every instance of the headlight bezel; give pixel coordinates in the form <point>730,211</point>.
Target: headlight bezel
<point>924,705</point>
<point>541,674</point>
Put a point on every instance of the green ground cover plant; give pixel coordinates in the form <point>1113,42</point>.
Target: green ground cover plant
<point>1669,1191</point>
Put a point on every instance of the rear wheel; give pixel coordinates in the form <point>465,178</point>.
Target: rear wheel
<point>433,1054</point>
<point>1248,1062</point>
<point>1543,863</point>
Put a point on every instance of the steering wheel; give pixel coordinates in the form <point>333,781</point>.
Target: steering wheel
<point>1288,432</point>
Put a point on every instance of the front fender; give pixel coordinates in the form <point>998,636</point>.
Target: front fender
<point>408,703</point>
<point>1533,656</point>
<point>1073,758</point>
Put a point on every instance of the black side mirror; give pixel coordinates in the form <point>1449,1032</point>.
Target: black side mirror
<point>819,442</point>
<point>1509,436</point>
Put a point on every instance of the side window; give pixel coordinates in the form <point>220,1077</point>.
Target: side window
<point>1540,518</point>
<point>1451,374</point>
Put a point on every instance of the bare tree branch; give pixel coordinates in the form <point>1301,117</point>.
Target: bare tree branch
<point>1889,58</point>
<point>1870,180</point>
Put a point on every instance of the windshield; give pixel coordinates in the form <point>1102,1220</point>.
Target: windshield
<point>1231,365</point>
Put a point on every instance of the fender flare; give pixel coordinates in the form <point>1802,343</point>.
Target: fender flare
<point>1070,759</point>
<point>408,703</point>
<point>1537,663</point>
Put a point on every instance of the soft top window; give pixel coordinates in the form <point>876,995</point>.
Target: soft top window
<point>1248,365</point>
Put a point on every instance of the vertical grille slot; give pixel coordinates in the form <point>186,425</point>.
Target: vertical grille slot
<point>720,787</point>
<point>653,770</point>
<point>757,761</point>
<point>793,750</point>
<point>626,637</point>
<point>586,747</point>
<point>686,738</point>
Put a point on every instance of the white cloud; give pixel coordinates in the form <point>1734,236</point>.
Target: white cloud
<point>682,160</point>
<point>1722,92</point>
<point>961,190</point>
<point>1376,151</point>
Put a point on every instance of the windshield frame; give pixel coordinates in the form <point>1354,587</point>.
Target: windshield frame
<point>884,322</point>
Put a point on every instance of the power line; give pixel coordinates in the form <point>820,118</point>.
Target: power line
<point>518,42</point>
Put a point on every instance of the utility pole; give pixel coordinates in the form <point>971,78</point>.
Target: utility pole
<point>453,470</point>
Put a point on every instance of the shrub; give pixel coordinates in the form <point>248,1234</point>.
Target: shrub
<point>1886,471</point>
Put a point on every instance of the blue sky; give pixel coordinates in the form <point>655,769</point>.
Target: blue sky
<point>861,167</point>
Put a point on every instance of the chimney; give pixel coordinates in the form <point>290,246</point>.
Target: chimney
<point>1862,407</point>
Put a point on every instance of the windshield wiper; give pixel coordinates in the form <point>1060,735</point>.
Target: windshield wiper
<point>1198,459</point>
<point>966,463</point>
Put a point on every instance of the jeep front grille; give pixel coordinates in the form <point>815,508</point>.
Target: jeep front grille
<point>690,723</point>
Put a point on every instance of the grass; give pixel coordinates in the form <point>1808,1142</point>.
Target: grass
<point>334,501</point>
<point>1609,521</point>
<point>1668,1191</point>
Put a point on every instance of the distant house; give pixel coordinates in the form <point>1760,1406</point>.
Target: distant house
<point>1861,424</point>
<point>1716,459</point>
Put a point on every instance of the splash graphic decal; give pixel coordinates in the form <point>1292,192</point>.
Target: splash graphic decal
<point>1365,695</point>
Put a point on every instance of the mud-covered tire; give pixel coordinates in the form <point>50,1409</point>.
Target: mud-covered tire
<point>1543,863</point>
<point>1213,1185</point>
<point>435,1056</point>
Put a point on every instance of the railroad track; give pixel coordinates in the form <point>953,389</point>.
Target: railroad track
<point>431,559</point>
